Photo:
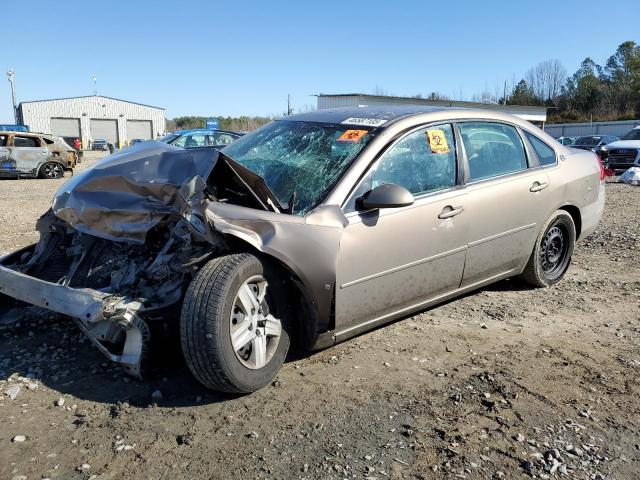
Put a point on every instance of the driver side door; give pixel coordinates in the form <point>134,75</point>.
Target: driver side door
<point>393,260</point>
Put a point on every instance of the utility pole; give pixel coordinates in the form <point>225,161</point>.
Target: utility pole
<point>504,95</point>
<point>11,78</point>
<point>289,109</point>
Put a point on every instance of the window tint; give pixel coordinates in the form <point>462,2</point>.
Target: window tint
<point>493,149</point>
<point>25,142</point>
<point>422,162</point>
<point>546,154</point>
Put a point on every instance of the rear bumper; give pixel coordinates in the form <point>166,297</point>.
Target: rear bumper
<point>99,315</point>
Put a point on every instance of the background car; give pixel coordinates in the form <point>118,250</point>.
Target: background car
<point>593,142</point>
<point>100,144</point>
<point>28,154</point>
<point>624,153</point>
<point>566,140</point>
<point>200,138</point>
<point>59,148</point>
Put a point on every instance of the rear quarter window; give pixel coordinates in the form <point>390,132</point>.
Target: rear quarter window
<point>546,154</point>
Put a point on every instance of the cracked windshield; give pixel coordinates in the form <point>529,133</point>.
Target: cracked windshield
<point>300,161</point>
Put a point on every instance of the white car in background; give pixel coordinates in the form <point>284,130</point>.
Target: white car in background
<point>624,153</point>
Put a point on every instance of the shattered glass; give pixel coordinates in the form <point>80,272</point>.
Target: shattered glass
<point>299,161</point>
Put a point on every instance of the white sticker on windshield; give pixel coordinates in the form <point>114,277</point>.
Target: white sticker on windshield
<point>369,122</point>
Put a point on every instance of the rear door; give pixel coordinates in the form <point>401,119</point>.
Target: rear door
<point>394,259</point>
<point>28,152</point>
<point>506,200</point>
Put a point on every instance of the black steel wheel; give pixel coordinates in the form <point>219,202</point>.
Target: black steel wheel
<point>552,252</point>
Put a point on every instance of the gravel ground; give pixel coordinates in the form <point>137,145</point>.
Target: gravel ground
<point>506,382</point>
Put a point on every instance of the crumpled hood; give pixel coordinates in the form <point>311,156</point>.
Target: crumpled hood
<point>123,196</point>
<point>624,144</point>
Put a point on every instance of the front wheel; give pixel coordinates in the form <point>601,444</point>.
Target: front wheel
<point>552,252</point>
<point>51,170</point>
<point>233,326</point>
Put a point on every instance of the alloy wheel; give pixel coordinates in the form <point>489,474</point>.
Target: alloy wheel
<point>255,333</point>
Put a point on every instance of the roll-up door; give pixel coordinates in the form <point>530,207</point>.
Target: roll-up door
<point>139,129</point>
<point>107,129</point>
<point>65,127</point>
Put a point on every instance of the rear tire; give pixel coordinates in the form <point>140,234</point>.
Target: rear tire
<point>51,170</point>
<point>552,252</point>
<point>226,348</point>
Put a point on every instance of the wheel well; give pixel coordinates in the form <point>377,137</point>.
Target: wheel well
<point>575,215</point>
<point>303,312</point>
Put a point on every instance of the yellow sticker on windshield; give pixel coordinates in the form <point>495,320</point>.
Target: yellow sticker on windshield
<point>437,141</point>
<point>352,136</point>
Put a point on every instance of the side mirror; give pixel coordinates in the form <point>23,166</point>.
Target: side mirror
<point>388,195</point>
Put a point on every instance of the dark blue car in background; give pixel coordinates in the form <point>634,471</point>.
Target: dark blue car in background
<point>200,138</point>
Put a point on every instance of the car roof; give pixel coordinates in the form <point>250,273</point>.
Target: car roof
<point>382,112</point>
<point>23,134</point>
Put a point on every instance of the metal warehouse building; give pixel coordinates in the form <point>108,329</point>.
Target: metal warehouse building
<point>537,115</point>
<point>92,117</point>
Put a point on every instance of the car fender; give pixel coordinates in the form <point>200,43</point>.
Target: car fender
<point>307,246</point>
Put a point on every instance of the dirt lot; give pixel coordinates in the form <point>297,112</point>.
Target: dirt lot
<point>507,382</point>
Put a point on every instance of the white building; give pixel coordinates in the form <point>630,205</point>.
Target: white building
<point>537,115</point>
<point>92,117</point>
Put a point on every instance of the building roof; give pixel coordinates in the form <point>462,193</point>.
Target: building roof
<point>91,96</point>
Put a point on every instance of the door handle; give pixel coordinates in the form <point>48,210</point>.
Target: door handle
<point>538,186</point>
<point>449,211</point>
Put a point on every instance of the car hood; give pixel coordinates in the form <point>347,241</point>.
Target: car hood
<point>123,196</point>
<point>624,144</point>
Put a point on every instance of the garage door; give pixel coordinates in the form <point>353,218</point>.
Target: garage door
<point>65,127</point>
<point>107,129</point>
<point>139,129</point>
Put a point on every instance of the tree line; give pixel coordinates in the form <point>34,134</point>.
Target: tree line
<point>237,124</point>
<point>594,92</point>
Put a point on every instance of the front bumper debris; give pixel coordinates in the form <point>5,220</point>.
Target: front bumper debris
<point>103,317</point>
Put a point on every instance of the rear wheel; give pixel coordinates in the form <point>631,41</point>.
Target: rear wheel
<point>233,326</point>
<point>51,170</point>
<point>552,252</point>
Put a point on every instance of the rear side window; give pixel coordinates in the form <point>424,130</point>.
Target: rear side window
<point>3,140</point>
<point>25,141</point>
<point>493,149</point>
<point>546,154</point>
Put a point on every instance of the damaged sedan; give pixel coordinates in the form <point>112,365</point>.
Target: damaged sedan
<point>306,232</point>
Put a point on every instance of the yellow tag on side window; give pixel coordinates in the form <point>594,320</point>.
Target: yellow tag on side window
<point>437,141</point>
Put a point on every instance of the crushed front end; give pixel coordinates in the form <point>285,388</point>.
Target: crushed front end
<point>111,289</point>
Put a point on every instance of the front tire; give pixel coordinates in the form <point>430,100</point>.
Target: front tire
<point>552,252</point>
<point>233,326</point>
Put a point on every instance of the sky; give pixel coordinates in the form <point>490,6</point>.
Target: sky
<point>244,57</point>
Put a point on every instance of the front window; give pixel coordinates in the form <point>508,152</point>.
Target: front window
<point>632,135</point>
<point>168,138</point>
<point>301,158</point>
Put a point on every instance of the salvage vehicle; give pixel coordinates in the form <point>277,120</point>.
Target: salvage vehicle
<point>624,153</point>
<point>595,143</point>
<point>25,154</point>
<point>309,230</point>
<point>63,151</point>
